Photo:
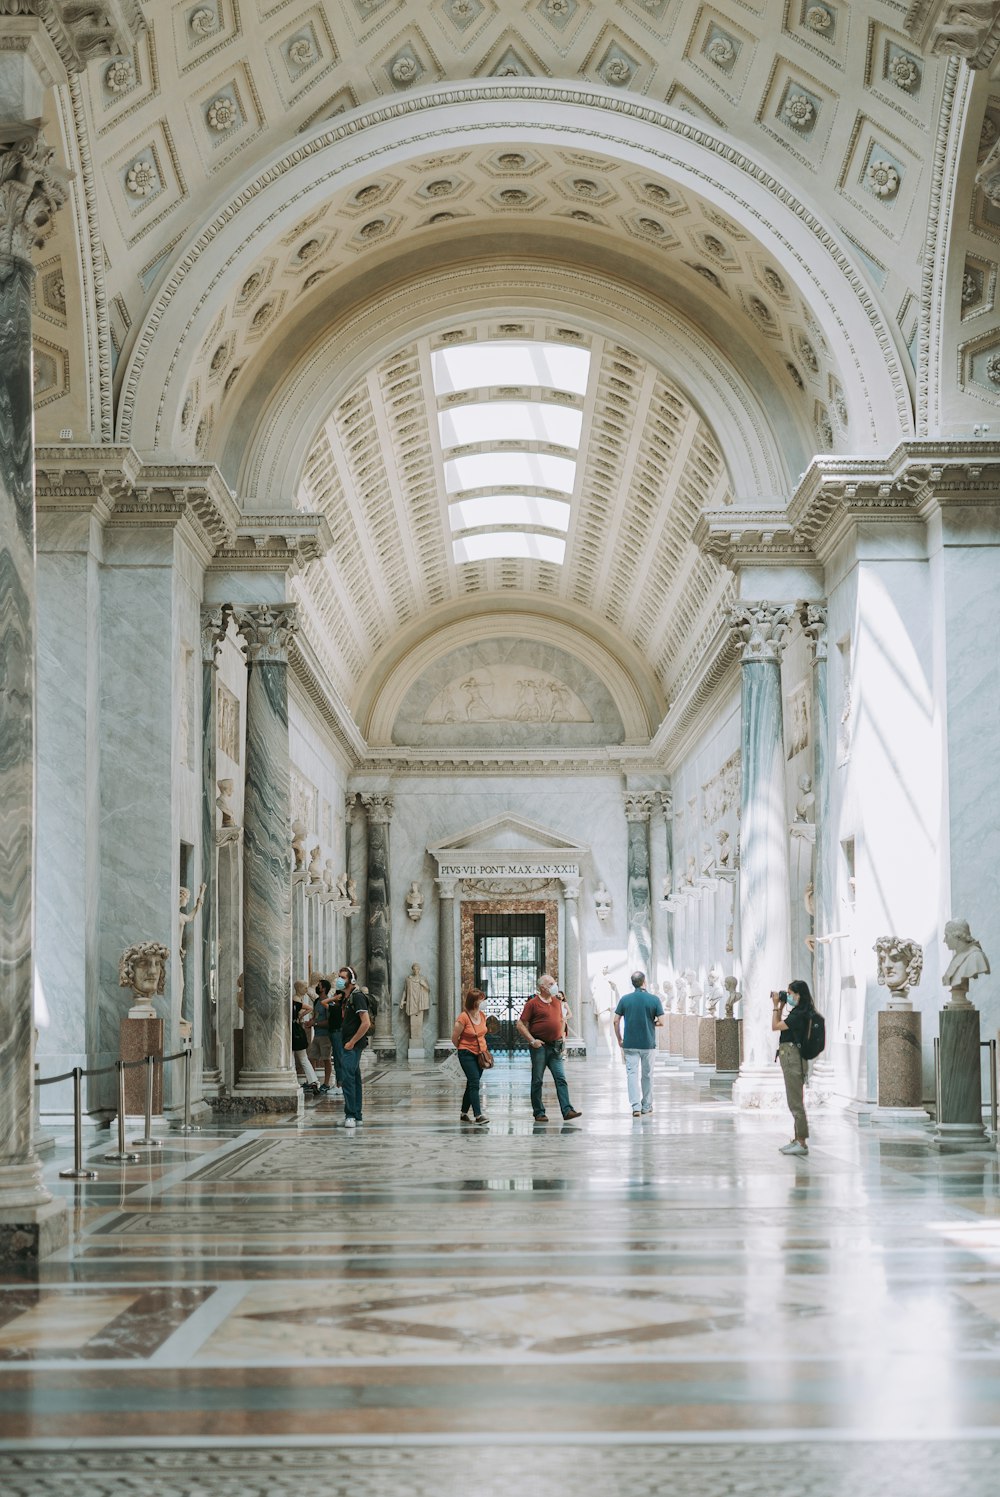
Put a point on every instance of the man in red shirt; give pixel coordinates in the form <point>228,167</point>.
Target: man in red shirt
<point>543,1025</point>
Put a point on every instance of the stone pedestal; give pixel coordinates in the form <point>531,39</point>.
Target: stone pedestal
<point>727,1046</point>
<point>690,1041</point>
<point>900,1069</point>
<point>138,1038</point>
<point>706,1041</point>
<point>675,1035</point>
<point>960,1118</point>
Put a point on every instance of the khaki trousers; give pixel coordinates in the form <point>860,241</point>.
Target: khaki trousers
<point>794,1069</point>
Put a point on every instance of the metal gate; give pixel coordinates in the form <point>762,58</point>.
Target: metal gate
<point>510,952</point>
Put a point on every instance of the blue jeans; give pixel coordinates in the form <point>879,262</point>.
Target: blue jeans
<point>337,1046</point>
<point>351,1073</point>
<point>639,1070</point>
<point>551,1056</point>
<point>470,1097</point>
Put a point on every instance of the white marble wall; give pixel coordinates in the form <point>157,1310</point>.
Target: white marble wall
<point>320,772</point>
<point>584,810</point>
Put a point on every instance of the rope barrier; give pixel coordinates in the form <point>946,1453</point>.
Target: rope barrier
<point>122,1154</point>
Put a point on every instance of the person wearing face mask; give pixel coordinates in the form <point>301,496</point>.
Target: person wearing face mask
<point>790,1014</point>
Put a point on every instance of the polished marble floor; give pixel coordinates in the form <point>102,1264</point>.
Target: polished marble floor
<point>633,1306</point>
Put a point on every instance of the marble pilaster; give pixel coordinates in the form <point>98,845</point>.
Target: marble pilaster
<point>760,629</point>
<point>214,624</point>
<point>30,194</point>
<point>228,952</point>
<point>638,809</point>
<point>356,865</point>
<point>378,917</point>
<point>667,932</point>
<point>267,1080</point>
<point>446,957</point>
<point>572,977</point>
<point>813,619</point>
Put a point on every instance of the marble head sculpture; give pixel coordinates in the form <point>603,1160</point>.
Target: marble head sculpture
<point>143,968</point>
<point>900,963</point>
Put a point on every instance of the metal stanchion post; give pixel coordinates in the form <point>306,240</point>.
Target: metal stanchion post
<point>121,1155</point>
<point>77,1172</point>
<point>187,1126</point>
<point>937,1079</point>
<point>148,1141</point>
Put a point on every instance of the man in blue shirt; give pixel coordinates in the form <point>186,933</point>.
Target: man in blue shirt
<point>643,1014</point>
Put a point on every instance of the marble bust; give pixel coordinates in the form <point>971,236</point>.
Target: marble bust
<point>341,884</point>
<point>715,993</point>
<point>732,995</point>
<point>680,995</point>
<point>224,803</point>
<point>315,865</point>
<point>967,963</point>
<point>806,803</point>
<point>299,845</point>
<point>694,990</point>
<point>900,963</point>
<point>414,901</point>
<point>143,968</point>
<point>725,853</point>
<point>602,902</point>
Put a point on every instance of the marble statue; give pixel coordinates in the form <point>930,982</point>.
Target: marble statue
<point>315,865</point>
<point>805,806</point>
<point>668,887</point>
<point>224,802</point>
<point>725,853</point>
<point>415,1002</point>
<point>299,844</point>
<point>900,963</point>
<point>694,990</point>
<point>604,995</point>
<point>341,885</point>
<point>602,903</point>
<point>329,877</point>
<point>680,994</point>
<point>414,901</point>
<point>143,968</point>
<point>716,992</point>
<point>967,963</point>
<point>352,890</point>
<point>184,920</point>
<point>732,995</point>
<point>707,861</point>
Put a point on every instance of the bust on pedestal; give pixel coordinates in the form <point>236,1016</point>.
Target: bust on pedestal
<point>143,968</point>
<point>960,1090</point>
<point>415,1003</point>
<point>900,1068</point>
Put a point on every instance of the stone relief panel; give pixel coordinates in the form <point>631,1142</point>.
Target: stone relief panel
<point>228,716</point>
<point>797,719</point>
<point>303,798</point>
<point>509,692</point>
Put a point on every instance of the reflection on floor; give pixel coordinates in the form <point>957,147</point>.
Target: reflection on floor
<point>420,1306</point>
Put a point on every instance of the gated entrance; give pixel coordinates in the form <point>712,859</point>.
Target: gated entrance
<point>510,953</point>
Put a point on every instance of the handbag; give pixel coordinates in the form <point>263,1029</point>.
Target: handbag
<point>483,1055</point>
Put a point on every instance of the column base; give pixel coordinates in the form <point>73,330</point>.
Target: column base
<point>383,1049</point>
<point>263,1092</point>
<point>760,1091</point>
<point>28,1233</point>
<point>954,1137</point>
<point>909,1117</point>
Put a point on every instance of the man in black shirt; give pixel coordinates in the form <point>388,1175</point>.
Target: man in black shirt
<point>354,1034</point>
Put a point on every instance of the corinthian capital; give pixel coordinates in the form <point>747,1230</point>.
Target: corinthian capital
<point>379,808</point>
<point>638,805</point>
<point>760,629</point>
<point>268,629</point>
<point>214,627</point>
<point>32,190</point>
<point>812,617</point>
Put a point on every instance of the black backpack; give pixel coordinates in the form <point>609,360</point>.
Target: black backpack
<point>815,1039</point>
<point>371,1003</point>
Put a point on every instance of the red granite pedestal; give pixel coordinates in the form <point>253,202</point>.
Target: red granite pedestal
<point>138,1038</point>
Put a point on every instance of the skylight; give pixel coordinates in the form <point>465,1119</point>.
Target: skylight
<point>516,543</point>
<point>510,421</point>
<point>532,470</point>
<point>509,509</point>
<point>552,366</point>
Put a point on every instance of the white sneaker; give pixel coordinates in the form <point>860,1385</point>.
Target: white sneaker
<point>350,1123</point>
<point>794,1148</point>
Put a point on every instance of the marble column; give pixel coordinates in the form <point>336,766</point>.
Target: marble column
<point>228,840</point>
<point>812,617</point>
<point>667,803</point>
<point>354,862</point>
<point>378,918</point>
<point>30,194</point>
<point>760,630</point>
<point>214,624</point>
<point>267,1080</point>
<point>571,978</point>
<point>446,957</point>
<point>638,809</point>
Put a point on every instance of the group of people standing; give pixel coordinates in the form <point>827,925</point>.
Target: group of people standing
<point>330,1028</point>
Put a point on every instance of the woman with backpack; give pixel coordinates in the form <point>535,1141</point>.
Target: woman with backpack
<point>793,1015</point>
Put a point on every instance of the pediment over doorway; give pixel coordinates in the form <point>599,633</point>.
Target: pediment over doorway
<point>509,846</point>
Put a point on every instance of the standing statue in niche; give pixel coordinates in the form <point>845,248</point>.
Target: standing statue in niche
<point>415,1002</point>
<point>967,963</point>
<point>329,877</point>
<point>604,995</point>
<point>299,845</point>
<point>184,920</point>
<point>900,963</point>
<point>143,968</point>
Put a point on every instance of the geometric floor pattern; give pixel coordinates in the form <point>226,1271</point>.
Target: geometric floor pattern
<point>612,1306</point>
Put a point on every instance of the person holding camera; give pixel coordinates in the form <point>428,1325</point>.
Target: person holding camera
<point>790,1015</point>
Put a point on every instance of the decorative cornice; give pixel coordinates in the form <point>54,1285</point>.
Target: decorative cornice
<point>275,543</point>
<point>309,673</point>
<point>32,190</point>
<point>956,28</point>
<point>691,706</point>
<point>77,479</point>
<point>744,537</point>
<point>267,629</point>
<point>80,29</point>
<point>760,630</point>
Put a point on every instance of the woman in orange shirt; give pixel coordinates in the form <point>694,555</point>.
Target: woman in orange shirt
<point>469,1039</point>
